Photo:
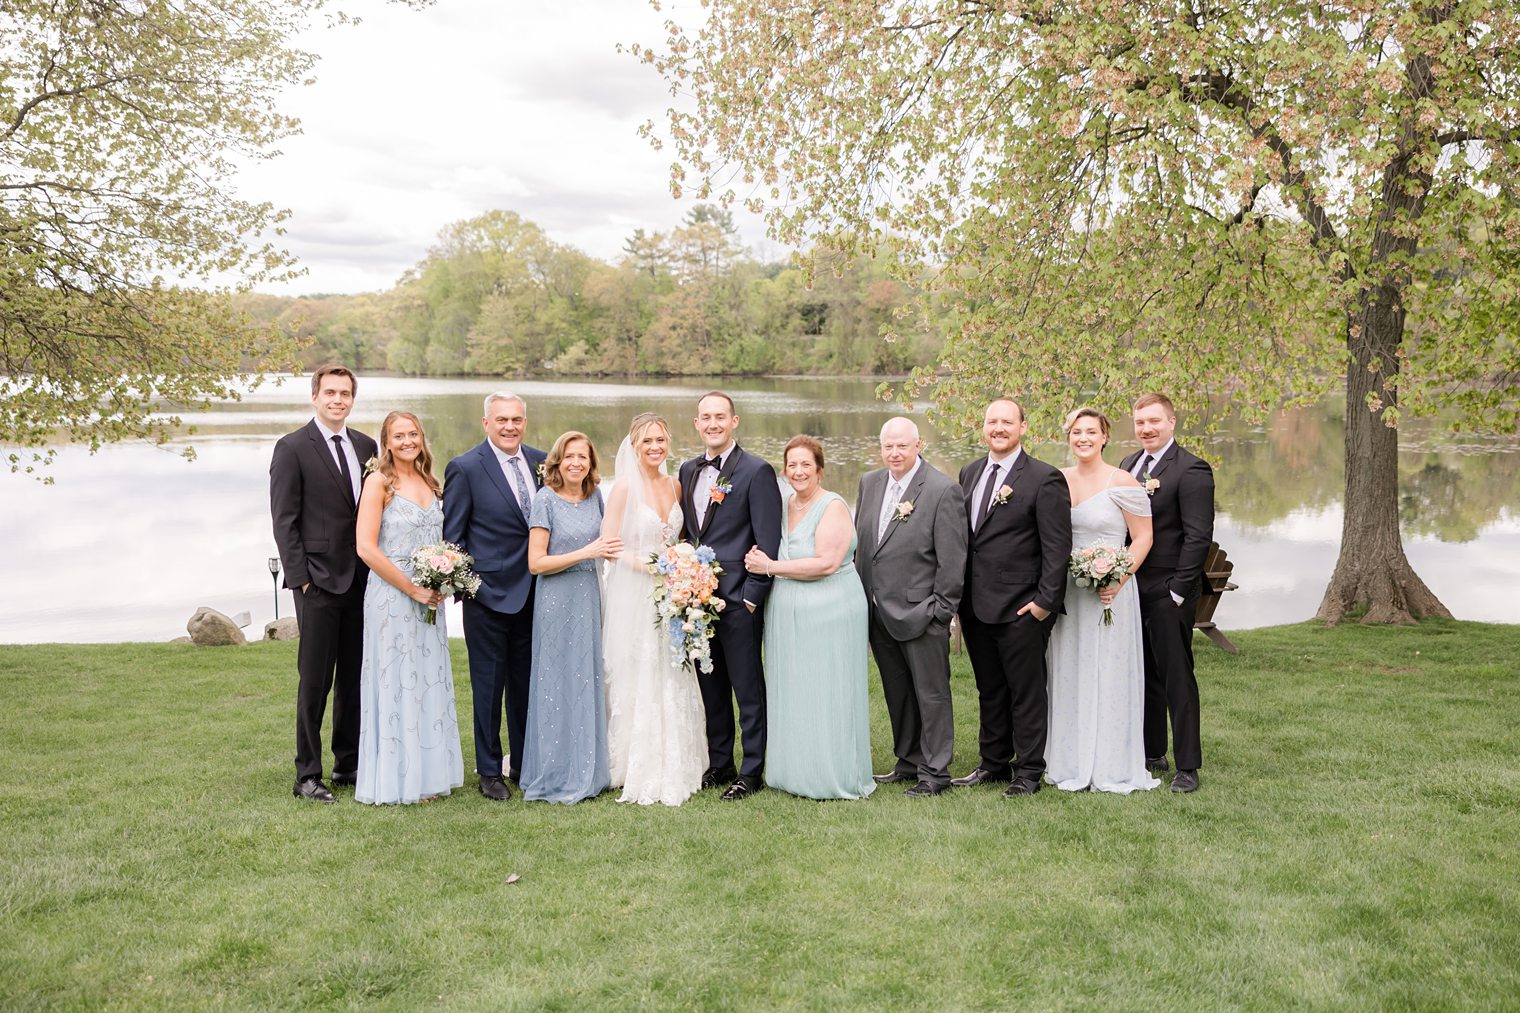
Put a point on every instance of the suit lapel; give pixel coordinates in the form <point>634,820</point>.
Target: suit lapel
<point>1165,461</point>
<point>319,437</point>
<point>1014,471</point>
<point>492,466</point>
<point>910,495</point>
<point>723,476</point>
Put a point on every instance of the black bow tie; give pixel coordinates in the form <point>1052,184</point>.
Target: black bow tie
<point>712,462</point>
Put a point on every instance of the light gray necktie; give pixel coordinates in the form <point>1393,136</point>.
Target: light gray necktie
<point>888,504</point>
<point>524,498</point>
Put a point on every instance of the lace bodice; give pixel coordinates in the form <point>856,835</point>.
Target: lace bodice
<point>406,527</point>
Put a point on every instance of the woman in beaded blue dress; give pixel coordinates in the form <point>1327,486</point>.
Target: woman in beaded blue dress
<point>817,716</point>
<point>408,732</point>
<point>565,748</point>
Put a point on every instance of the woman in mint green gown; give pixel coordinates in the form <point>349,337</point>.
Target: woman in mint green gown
<point>818,721</point>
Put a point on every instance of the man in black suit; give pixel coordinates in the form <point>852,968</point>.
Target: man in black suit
<point>731,502</point>
<point>1181,487</point>
<point>488,496</point>
<point>1020,513</point>
<point>314,481</point>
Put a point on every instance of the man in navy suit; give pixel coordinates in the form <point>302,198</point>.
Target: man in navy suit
<point>731,502</point>
<point>314,480</point>
<point>1181,487</point>
<point>488,493</point>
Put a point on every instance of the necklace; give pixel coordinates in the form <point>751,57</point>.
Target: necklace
<point>798,503</point>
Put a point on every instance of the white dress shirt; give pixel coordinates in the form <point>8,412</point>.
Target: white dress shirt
<point>894,492</point>
<point>1001,466</point>
<point>355,473</point>
<point>515,476</point>
<point>707,477</point>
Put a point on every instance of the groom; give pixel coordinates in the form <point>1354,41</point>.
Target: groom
<point>1181,487</point>
<point>490,494</point>
<point>731,502</point>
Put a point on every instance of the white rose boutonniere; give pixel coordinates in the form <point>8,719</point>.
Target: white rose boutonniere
<point>371,465</point>
<point>1001,496</point>
<point>1151,485</point>
<point>540,470</point>
<point>903,510</point>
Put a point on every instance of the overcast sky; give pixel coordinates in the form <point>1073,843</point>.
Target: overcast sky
<point>421,118</point>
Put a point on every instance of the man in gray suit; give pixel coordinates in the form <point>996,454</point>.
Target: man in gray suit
<point>910,522</point>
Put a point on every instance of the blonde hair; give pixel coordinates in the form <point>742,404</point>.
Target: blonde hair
<point>1086,413</point>
<point>386,463</point>
<point>641,422</point>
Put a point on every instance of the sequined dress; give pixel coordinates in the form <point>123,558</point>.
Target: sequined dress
<point>565,753</point>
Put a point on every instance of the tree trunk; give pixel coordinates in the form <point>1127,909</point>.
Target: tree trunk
<point>1372,573</point>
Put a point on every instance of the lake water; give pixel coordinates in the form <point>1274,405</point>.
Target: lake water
<point>127,543</point>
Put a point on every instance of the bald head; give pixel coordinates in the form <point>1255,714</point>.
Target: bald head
<point>900,445</point>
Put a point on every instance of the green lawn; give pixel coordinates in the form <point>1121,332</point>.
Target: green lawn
<point>1353,845</point>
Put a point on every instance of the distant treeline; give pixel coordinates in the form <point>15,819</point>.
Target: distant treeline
<point>497,297</point>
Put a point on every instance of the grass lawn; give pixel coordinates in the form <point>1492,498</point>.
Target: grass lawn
<point>1353,845</point>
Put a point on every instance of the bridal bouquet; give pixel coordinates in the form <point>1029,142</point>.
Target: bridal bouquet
<point>1100,566</point>
<point>686,601</point>
<point>444,567</point>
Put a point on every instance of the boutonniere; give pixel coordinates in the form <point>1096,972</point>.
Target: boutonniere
<point>720,490</point>
<point>540,471</point>
<point>371,465</point>
<point>904,509</point>
<point>1001,496</point>
<point>1151,484</point>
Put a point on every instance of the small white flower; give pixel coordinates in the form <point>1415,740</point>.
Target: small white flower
<point>1001,496</point>
<point>1151,485</point>
<point>904,509</point>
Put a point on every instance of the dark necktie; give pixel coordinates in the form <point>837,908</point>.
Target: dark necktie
<point>348,476</point>
<point>1146,461</point>
<point>981,516</point>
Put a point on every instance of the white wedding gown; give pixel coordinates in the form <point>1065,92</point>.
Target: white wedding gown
<point>656,727</point>
<point>1097,672</point>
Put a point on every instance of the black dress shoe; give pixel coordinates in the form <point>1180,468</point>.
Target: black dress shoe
<point>1021,786</point>
<point>1185,781</point>
<point>345,777</point>
<point>891,778</point>
<point>924,789</point>
<point>495,789</point>
<point>712,778</point>
<point>515,777</point>
<point>981,775</point>
<point>741,788</point>
<point>313,790</point>
<point>1157,764</point>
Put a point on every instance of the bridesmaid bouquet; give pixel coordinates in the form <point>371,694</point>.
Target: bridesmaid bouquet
<point>444,567</point>
<point>1100,566</point>
<point>686,601</point>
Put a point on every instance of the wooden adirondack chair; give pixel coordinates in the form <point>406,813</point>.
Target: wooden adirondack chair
<point>1216,577</point>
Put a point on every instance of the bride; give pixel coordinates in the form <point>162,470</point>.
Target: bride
<point>656,729</point>
<point>1097,672</point>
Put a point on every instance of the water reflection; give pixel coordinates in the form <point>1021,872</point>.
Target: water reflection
<point>148,537</point>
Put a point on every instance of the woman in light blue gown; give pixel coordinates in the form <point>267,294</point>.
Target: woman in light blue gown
<point>408,731</point>
<point>565,752</point>
<point>817,716</point>
<point>1097,671</point>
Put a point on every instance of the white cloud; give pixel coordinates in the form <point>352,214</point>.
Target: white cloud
<point>419,118</point>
